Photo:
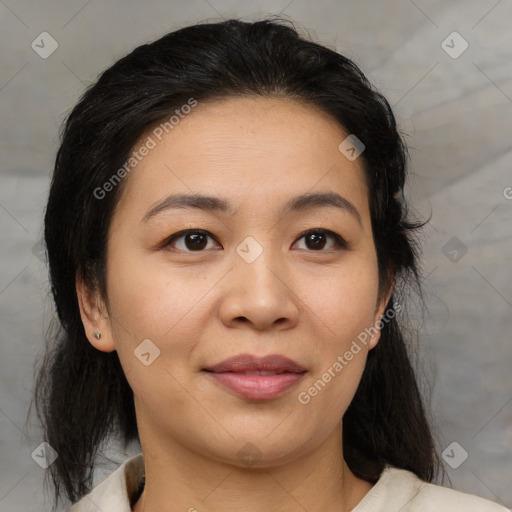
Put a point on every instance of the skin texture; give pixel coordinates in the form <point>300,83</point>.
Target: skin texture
<point>201,307</point>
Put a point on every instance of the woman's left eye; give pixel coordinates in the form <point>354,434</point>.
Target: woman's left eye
<point>196,240</point>
<point>316,240</point>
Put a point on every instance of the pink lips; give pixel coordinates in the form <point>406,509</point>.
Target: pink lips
<point>257,378</point>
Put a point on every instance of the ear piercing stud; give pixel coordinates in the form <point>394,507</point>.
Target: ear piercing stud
<point>97,335</point>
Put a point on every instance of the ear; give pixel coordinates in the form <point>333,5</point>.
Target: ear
<point>94,317</point>
<point>379,315</point>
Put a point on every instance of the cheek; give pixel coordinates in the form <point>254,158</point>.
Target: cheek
<point>170,315</point>
<point>150,302</point>
<point>343,300</point>
<point>343,309</point>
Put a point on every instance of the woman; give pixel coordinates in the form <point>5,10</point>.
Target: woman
<point>228,245</point>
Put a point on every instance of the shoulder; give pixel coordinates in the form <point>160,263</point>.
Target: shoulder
<point>401,490</point>
<point>114,493</point>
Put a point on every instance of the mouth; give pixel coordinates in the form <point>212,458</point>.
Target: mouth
<point>256,378</point>
<point>274,363</point>
<point>253,372</point>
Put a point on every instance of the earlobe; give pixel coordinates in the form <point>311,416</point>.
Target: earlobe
<point>375,330</point>
<point>94,317</point>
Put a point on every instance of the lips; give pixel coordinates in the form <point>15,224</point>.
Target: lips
<point>256,378</point>
<point>247,363</point>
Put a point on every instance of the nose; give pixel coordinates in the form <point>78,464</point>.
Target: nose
<point>259,296</point>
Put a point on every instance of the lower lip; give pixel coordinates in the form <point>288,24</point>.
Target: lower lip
<point>257,387</point>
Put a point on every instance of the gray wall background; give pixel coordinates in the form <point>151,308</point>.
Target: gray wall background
<point>457,111</point>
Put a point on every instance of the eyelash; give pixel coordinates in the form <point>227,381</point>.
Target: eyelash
<point>338,240</point>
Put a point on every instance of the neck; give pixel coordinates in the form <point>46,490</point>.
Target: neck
<point>320,480</point>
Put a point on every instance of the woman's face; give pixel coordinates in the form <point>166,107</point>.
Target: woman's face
<point>254,280</point>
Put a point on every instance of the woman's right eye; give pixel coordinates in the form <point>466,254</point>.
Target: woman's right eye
<point>190,240</point>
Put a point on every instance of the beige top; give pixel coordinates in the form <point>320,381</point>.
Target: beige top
<point>397,490</point>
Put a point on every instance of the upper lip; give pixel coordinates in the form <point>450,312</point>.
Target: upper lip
<point>248,362</point>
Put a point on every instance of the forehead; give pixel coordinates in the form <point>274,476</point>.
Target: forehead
<point>246,148</point>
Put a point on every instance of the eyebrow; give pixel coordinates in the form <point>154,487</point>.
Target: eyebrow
<point>300,203</point>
